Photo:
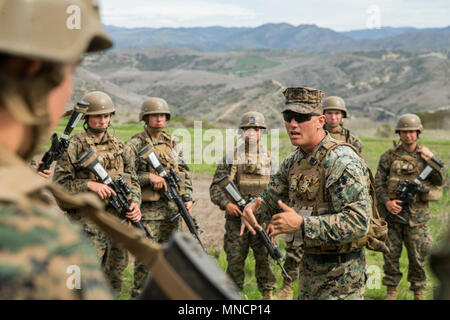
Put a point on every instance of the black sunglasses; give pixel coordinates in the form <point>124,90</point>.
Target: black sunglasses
<point>298,117</point>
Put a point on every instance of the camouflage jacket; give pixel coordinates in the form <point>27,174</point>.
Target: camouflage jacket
<point>41,252</point>
<point>74,179</point>
<point>218,196</point>
<point>345,177</point>
<point>138,141</point>
<point>344,134</point>
<point>419,212</point>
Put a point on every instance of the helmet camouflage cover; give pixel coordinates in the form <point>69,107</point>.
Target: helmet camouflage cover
<point>154,106</point>
<point>303,100</point>
<point>98,103</point>
<point>335,103</point>
<point>408,122</point>
<point>48,31</point>
<point>252,119</point>
<point>59,31</point>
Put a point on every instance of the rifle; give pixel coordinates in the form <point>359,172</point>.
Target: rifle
<point>406,191</point>
<point>119,201</point>
<point>275,252</point>
<point>59,146</point>
<point>172,181</point>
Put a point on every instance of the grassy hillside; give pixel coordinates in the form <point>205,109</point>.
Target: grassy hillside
<point>379,85</point>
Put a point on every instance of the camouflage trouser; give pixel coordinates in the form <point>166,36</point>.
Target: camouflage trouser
<point>418,245</point>
<point>161,231</point>
<point>292,262</point>
<point>113,258</point>
<point>332,281</point>
<point>237,249</point>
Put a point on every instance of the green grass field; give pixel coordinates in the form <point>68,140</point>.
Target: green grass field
<point>372,149</point>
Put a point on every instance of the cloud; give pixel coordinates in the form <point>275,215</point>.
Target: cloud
<point>175,14</point>
<point>338,15</point>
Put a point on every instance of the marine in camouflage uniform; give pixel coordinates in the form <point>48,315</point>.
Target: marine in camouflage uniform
<point>39,247</point>
<point>337,130</point>
<point>40,250</point>
<point>406,161</point>
<point>250,171</point>
<point>156,209</point>
<point>329,209</point>
<point>117,159</point>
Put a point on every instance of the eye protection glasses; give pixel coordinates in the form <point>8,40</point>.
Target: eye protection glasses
<point>298,117</point>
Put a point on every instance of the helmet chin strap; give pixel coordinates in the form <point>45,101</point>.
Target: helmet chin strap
<point>87,127</point>
<point>153,129</point>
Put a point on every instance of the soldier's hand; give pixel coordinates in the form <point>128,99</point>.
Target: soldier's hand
<point>270,230</point>
<point>101,189</point>
<point>249,218</point>
<point>158,182</point>
<point>188,206</point>
<point>233,210</point>
<point>44,174</point>
<point>393,206</point>
<point>243,227</point>
<point>425,151</point>
<point>287,221</point>
<point>135,213</point>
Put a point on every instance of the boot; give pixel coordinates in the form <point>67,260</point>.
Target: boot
<point>391,293</point>
<point>267,294</point>
<point>419,294</point>
<point>286,292</point>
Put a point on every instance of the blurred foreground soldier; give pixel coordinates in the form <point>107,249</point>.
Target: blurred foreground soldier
<point>440,264</point>
<point>117,160</point>
<point>249,167</point>
<point>157,211</point>
<point>320,195</point>
<point>406,162</point>
<point>334,110</point>
<point>40,251</point>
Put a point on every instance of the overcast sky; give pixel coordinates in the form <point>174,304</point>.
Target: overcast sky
<point>339,15</point>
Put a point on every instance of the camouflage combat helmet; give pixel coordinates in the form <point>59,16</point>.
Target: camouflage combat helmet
<point>46,31</point>
<point>154,106</point>
<point>335,103</point>
<point>98,103</point>
<point>303,100</point>
<point>252,119</point>
<point>59,31</point>
<point>409,122</point>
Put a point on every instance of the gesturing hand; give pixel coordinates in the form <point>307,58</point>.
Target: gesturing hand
<point>287,221</point>
<point>248,217</point>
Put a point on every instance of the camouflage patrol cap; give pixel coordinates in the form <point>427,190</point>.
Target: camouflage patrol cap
<point>252,119</point>
<point>98,103</point>
<point>408,122</point>
<point>335,103</point>
<point>154,106</point>
<point>59,31</point>
<point>303,100</point>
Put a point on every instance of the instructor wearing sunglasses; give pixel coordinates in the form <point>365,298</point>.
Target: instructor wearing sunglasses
<point>320,199</point>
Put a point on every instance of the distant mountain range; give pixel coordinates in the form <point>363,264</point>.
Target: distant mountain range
<point>306,38</point>
<point>219,86</point>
